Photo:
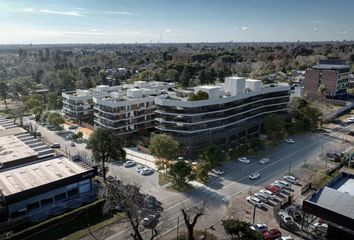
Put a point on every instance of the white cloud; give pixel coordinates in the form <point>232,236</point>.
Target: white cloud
<point>168,30</point>
<point>28,10</point>
<point>345,32</point>
<point>68,13</point>
<point>244,28</point>
<point>118,12</point>
<point>95,30</point>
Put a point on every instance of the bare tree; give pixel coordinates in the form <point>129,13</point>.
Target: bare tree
<point>191,215</point>
<point>142,211</point>
<point>18,112</point>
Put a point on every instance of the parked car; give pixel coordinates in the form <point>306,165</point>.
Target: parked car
<point>73,127</point>
<point>217,171</point>
<point>138,169</point>
<point>55,145</point>
<point>289,140</point>
<point>255,201</point>
<point>129,164</point>
<point>321,227</point>
<point>279,185</point>
<point>38,133</point>
<point>295,213</point>
<point>260,227</point>
<point>146,171</point>
<point>254,175</point>
<point>152,202</point>
<point>286,238</point>
<point>264,160</point>
<point>272,234</point>
<point>72,144</point>
<point>268,193</point>
<point>334,155</point>
<point>284,183</point>
<point>274,189</point>
<point>285,217</point>
<point>351,133</point>
<point>290,179</point>
<point>244,160</point>
<point>261,197</point>
<point>350,120</point>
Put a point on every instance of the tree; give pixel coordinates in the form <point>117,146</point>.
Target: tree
<point>54,101</point>
<point>164,147</point>
<point>18,112</point>
<point>239,230</point>
<point>213,156</point>
<point>106,146</point>
<point>321,91</point>
<point>4,92</point>
<point>198,96</point>
<point>191,215</point>
<point>307,118</point>
<point>202,171</point>
<point>55,119</point>
<point>138,208</point>
<point>256,144</point>
<point>185,77</point>
<point>181,173</point>
<point>273,125</point>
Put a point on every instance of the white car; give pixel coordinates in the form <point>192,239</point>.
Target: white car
<point>129,164</point>
<point>284,183</point>
<point>286,238</point>
<point>145,171</point>
<point>277,184</point>
<point>264,160</point>
<point>217,171</point>
<point>254,175</point>
<point>244,160</point>
<point>72,144</point>
<point>289,140</point>
<point>262,197</point>
<point>255,201</point>
<point>260,227</point>
<point>321,227</point>
<point>350,120</point>
<point>285,217</point>
<point>290,179</point>
<point>268,193</point>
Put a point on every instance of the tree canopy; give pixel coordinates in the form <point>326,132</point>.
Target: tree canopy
<point>106,146</point>
<point>274,125</point>
<point>200,95</point>
<point>181,173</point>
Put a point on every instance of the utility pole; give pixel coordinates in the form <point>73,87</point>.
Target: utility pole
<point>254,214</point>
<point>177,226</point>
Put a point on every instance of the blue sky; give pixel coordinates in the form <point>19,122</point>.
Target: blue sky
<point>130,21</point>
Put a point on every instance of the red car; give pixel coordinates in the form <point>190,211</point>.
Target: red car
<point>272,234</point>
<point>273,189</point>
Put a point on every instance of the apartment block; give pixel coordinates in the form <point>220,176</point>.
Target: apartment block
<point>234,112</point>
<point>333,74</point>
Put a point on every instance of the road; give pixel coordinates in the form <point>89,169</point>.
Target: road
<point>220,190</point>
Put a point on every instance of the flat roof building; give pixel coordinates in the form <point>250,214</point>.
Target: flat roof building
<point>333,74</point>
<point>333,204</point>
<point>231,115</point>
<point>44,188</point>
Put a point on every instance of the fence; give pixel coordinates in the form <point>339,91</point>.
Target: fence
<point>142,158</point>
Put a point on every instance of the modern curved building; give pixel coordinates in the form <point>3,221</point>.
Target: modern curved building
<point>234,111</point>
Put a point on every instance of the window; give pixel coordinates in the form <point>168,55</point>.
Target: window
<point>73,192</point>
<point>46,201</point>
<point>19,213</point>
<point>32,206</point>
<point>71,186</point>
<point>60,196</point>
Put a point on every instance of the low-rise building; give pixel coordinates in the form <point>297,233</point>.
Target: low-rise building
<point>232,113</point>
<point>333,74</point>
<point>331,207</point>
<point>36,191</point>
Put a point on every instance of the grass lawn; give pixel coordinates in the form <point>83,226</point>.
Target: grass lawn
<point>164,179</point>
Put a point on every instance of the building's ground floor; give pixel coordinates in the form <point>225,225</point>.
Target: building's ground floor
<point>225,137</point>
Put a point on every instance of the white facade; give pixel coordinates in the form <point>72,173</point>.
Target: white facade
<point>253,84</point>
<point>234,85</point>
<point>212,91</point>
